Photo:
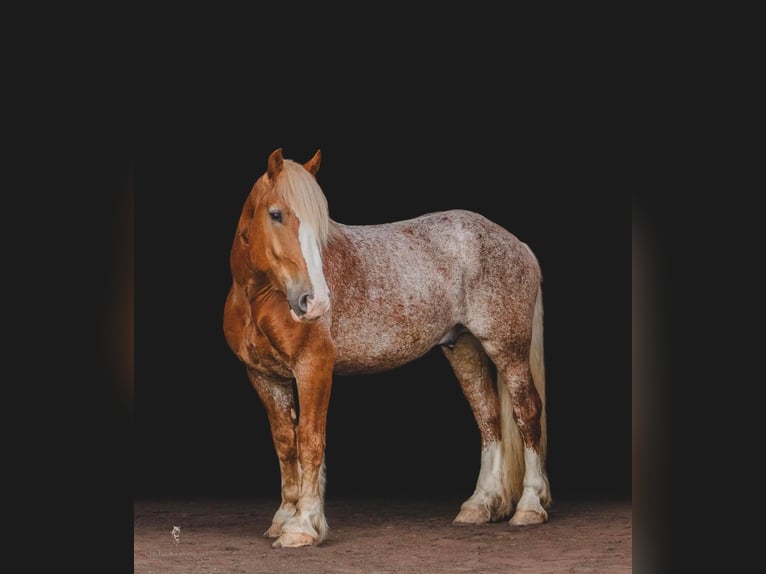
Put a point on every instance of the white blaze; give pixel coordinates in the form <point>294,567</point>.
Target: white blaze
<point>320,303</point>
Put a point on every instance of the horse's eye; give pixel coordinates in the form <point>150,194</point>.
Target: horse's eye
<point>275,215</point>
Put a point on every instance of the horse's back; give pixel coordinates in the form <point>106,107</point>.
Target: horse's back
<point>399,288</point>
<point>448,248</point>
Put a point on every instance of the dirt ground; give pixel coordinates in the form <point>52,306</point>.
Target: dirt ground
<point>380,536</point>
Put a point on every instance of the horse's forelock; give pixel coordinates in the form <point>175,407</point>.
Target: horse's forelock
<point>301,192</point>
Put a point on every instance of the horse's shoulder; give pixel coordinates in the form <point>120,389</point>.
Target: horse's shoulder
<point>236,318</point>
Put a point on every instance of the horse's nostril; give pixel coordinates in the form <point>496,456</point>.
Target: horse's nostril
<point>303,302</point>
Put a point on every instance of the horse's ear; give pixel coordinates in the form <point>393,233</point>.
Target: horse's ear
<point>276,162</point>
<point>312,165</point>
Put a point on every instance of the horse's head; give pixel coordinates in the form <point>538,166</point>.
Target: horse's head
<point>282,230</point>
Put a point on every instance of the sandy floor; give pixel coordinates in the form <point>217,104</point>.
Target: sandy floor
<point>380,536</point>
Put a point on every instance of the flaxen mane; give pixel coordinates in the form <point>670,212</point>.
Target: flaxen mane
<point>301,192</point>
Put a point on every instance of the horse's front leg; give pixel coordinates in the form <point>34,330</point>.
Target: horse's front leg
<point>309,525</point>
<point>277,399</point>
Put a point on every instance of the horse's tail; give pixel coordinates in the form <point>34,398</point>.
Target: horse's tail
<point>513,445</point>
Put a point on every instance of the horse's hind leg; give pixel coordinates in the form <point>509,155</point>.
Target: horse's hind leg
<point>470,363</point>
<point>514,369</point>
<point>277,399</point>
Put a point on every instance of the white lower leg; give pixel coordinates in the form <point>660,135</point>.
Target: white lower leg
<point>530,509</point>
<point>284,513</point>
<point>308,524</point>
<point>488,501</point>
<point>288,506</point>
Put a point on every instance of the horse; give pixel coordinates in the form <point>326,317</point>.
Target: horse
<point>312,298</point>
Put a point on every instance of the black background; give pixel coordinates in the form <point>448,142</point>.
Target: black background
<point>553,166</point>
<point>565,116</point>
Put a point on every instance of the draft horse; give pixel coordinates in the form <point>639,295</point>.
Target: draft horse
<point>312,298</point>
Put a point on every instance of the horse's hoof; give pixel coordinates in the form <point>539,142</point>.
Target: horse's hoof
<point>274,531</point>
<point>293,540</point>
<point>523,517</point>
<point>472,515</point>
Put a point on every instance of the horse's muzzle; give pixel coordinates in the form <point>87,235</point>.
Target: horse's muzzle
<point>305,307</point>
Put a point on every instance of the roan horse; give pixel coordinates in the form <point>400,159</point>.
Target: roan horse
<point>312,298</point>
